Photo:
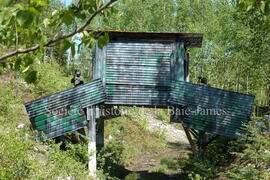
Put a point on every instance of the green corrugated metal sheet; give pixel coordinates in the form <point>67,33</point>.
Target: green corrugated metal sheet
<point>211,109</point>
<point>139,72</point>
<point>63,112</point>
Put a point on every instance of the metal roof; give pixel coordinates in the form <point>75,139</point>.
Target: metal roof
<point>190,39</point>
<point>211,109</point>
<point>63,112</point>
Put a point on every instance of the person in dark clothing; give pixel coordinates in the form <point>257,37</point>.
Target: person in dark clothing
<point>77,78</point>
<point>203,81</point>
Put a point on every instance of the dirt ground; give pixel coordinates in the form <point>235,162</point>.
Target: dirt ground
<point>177,147</point>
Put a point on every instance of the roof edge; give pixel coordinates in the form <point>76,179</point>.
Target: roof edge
<point>190,39</point>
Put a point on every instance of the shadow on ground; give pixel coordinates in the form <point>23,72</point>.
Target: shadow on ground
<point>145,175</point>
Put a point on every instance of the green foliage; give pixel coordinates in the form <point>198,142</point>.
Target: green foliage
<point>169,162</point>
<point>1,70</point>
<point>163,115</point>
<point>5,3</point>
<point>51,79</point>
<point>63,164</point>
<point>21,156</point>
<point>37,25</point>
<point>111,159</point>
<point>31,76</point>
<point>24,18</point>
<point>78,152</point>
<point>103,40</point>
<point>217,154</point>
<point>11,109</point>
<point>133,127</point>
<point>260,6</point>
<point>255,158</point>
<point>161,168</point>
<point>158,15</point>
<point>133,176</point>
<point>199,169</point>
<point>219,151</point>
<point>15,156</point>
<point>165,164</point>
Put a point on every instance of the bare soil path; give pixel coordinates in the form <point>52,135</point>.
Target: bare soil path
<point>177,147</point>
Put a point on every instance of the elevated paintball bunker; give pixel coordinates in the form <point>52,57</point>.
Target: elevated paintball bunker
<point>137,68</point>
<point>149,69</point>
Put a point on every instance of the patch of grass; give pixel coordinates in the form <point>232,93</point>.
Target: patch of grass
<point>132,129</point>
<point>163,115</point>
<point>160,134</point>
<point>166,163</point>
<point>169,162</point>
<point>160,168</point>
<point>20,155</point>
<point>133,176</point>
<point>51,79</point>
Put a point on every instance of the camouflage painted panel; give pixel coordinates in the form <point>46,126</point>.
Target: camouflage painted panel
<point>63,112</point>
<point>137,95</point>
<point>211,109</point>
<point>138,63</point>
<point>140,73</point>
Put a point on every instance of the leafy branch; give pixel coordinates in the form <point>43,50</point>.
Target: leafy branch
<point>56,39</point>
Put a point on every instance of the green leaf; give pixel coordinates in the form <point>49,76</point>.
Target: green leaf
<point>26,69</point>
<point>46,22</point>
<point>262,6</point>
<point>55,12</point>
<point>68,18</point>
<point>43,40</point>
<point>31,77</point>
<point>24,18</point>
<point>64,45</point>
<point>34,10</point>
<point>40,2</point>
<point>73,50</point>
<point>103,40</point>
<point>5,3</point>
<point>28,61</point>
<point>18,64</point>
<point>1,70</point>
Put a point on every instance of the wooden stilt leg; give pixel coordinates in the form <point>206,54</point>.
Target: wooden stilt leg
<point>100,134</point>
<point>92,164</point>
<point>201,142</point>
<point>192,144</point>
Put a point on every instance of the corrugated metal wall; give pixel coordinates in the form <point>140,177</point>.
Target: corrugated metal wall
<point>140,72</point>
<point>211,109</point>
<point>62,112</point>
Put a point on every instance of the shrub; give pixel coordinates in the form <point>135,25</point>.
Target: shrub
<point>110,159</point>
<point>51,79</point>
<point>133,176</point>
<point>255,158</point>
<point>15,157</point>
<point>160,168</point>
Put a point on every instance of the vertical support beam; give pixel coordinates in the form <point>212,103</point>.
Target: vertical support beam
<point>201,142</point>
<point>100,134</point>
<point>92,164</point>
<point>191,142</point>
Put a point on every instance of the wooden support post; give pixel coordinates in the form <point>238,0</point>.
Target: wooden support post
<point>201,142</point>
<point>100,134</point>
<point>92,164</point>
<point>191,142</point>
